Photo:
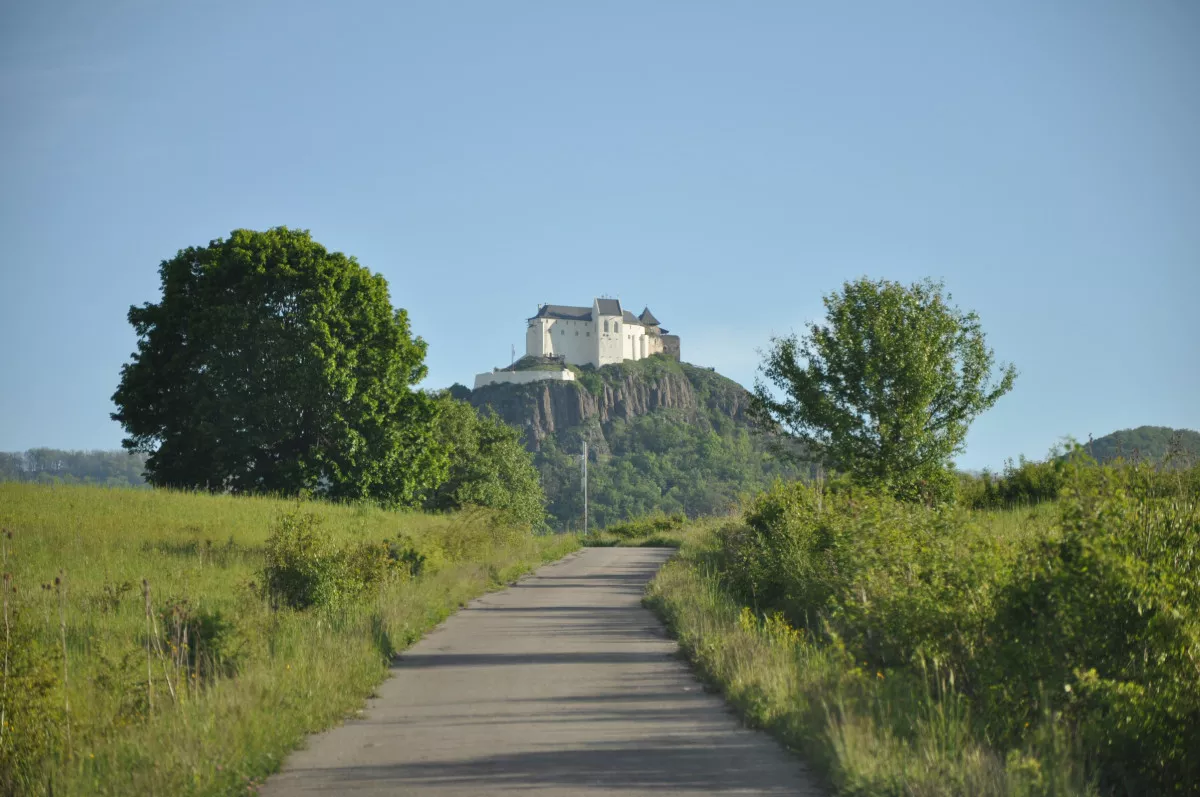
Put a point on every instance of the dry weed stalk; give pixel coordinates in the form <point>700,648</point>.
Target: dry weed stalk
<point>60,584</point>
<point>7,644</point>
<point>149,668</point>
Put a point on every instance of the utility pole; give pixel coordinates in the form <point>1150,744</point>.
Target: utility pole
<point>585,506</point>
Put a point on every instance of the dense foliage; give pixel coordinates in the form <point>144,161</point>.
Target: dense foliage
<point>1027,482</point>
<point>489,466</point>
<point>886,389</point>
<point>271,365</point>
<point>1080,625</point>
<point>668,461</point>
<point>51,465</point>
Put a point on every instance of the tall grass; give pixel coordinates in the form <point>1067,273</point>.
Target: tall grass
<point>153,710</point>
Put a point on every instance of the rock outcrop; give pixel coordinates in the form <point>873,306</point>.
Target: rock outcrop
<point>623,391</point>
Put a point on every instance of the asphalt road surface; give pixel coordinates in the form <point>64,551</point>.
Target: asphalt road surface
<point>560,685</point>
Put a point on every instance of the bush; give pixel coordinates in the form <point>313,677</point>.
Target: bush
<point>648,525</point>
<point>1089,630</point>
<point>202,641</point>
<point>1103,625</point>
<point>303,568</point>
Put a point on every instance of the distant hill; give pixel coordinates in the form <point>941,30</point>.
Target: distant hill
<point>663,436</point>
<point>1147,443</point>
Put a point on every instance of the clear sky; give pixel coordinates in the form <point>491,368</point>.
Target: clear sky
<point>725,163</point>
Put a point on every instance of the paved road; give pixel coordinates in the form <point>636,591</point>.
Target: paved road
<point>560,685</point>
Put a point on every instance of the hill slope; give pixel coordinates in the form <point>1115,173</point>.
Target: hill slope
<point>663,435</point>
<point>1146,442</point>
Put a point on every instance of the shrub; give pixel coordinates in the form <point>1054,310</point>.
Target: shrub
<point>648,525</point>
<point>1103,625</point>
<point>302,566</point>
<point>202,641</point>
<point>1089,631</point>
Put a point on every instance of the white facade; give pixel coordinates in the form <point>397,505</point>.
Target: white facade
<point>599,335</point>
<point>522,377</point>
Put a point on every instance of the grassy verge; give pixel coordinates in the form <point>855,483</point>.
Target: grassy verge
<point>102,698</point>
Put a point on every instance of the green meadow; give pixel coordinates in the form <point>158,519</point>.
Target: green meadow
<point>149,648</point>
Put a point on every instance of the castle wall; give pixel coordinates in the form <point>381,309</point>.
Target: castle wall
<point>570,339</point>
<point>670,345</point>
<point>632,336</point>
<point>535,339</point>
<point>522,377</point>
<point>611,349</point>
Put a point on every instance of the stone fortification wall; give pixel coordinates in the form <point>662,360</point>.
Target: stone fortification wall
<point>522,377</point>
<point>670,346</point>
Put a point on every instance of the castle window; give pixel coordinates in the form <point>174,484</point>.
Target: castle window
<point>616,326</point>
<point>606,325</point>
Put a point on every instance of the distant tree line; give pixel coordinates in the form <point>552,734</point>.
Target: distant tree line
<point>52,465</point>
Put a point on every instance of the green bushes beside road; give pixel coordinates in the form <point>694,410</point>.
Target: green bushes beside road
<point>917,650</point>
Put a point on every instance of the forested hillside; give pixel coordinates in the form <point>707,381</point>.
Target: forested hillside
<point>663,436</point>
<point>1146,442</point>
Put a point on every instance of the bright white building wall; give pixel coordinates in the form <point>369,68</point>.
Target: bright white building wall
<point>608,339</point>
<point>560,337</point>
<point>611,336</point>
<point>522,377</point>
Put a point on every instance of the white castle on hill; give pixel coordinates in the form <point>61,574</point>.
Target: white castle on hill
<point>598,335</point>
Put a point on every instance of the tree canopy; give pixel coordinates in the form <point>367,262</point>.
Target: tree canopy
<point>489,466</point>
<point>887,387</point>
<point>271,365</point>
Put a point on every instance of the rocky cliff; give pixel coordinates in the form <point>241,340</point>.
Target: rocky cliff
<point>600,396</point>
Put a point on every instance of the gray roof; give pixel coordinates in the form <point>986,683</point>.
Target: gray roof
<point>565,311</point>
<point>606,306</point>
<point>609,306</point>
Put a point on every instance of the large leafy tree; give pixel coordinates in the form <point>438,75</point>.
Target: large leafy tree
<point>488,465</point>
<point>271,365</point>
<point>887,387</point>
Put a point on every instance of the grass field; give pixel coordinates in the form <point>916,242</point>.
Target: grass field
<point>103,697</point>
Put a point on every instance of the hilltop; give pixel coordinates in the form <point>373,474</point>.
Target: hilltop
<point>1146,442</point>
<point>663,436</point>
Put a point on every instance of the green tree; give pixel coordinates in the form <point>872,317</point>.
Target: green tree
<point>488,465</point>
<point>271,365</point>
<point>885,389</point>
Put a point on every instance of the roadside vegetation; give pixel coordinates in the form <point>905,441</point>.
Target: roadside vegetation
<point>160,642</point>
<point>1049,649</point>
<point>920,632</point>
<point>651,531</point>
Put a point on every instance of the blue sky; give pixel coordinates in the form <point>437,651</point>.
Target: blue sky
<point>727,164</point>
